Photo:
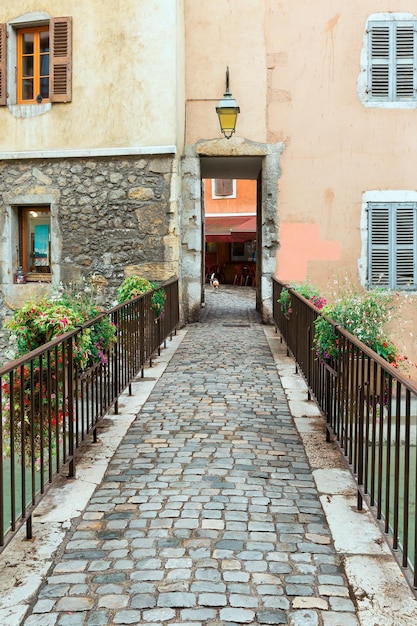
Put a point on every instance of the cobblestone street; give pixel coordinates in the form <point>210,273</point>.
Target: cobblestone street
<point>208,513</point>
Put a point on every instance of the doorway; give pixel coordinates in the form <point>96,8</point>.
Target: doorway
<point>231,210</point>
<point>230,231</point>
<point>237,160</point>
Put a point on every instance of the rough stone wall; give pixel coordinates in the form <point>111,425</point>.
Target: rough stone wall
<point>114,216</point>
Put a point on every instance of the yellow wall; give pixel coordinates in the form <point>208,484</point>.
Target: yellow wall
<point>128,78</point>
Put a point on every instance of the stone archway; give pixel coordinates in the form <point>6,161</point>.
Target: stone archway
<point>237,158</point>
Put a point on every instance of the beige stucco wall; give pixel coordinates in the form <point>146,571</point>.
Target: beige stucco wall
<point>128,78</point>
<point>221,34</point>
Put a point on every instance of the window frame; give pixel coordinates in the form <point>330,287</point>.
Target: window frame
<point>36,31</point>
<point>389,244</point>
<point>389,61</point>
<point>23,236</point>
<point>60,60</point>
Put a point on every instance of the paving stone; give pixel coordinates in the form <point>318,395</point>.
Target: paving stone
<point>272,617</point>
<point>127,617</point>
<point>303,618</point>
<point>177,599</point>
<point>42,620</point>
<point>74,604</point>
<point>239,616</point>
<point>339,619</point>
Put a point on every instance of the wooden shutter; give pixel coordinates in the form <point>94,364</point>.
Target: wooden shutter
<point>60,59</point>
<point>405,65</point>
<point>405,246</point>
<point>3,87</point>
<point>393,245</point>
<point>379,61</point>
<point>379,246</point>
<point>223,187</point>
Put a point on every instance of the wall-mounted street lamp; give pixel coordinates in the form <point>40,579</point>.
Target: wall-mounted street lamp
<point>227,110</point>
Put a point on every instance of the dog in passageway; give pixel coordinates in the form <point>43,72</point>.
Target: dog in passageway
<point>214,282</point>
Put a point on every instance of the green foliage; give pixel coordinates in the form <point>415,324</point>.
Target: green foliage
<point>36,323</point>
<point>30,390</point>
<point>134,286</point>
<point>307,290</point>
<point>364,315</point>
<point>285,302</point>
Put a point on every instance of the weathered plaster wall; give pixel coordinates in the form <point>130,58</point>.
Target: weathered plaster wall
<point>128,77</point>
<point>220,34</point>
<point>335,147</point>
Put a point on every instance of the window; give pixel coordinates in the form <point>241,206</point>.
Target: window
<point>392,61</point>
<point>42,54</point>
<point>35,242</point>
<point>223,188</point>
<point>243,251</point>
<point>392,249</point>
<point>32,65</point>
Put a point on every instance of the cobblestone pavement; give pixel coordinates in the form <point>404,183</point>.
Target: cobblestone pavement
<point>208,513</point>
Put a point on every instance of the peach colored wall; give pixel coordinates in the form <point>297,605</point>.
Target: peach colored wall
<point>294,72</point>
<point>220,34</point>
<point>335,147</point>
<point>245,201</point>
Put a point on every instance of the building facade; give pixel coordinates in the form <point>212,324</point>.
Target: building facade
<point>108,127</point>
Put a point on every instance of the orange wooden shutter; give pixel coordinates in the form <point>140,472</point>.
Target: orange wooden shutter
<point>3,89</point>
<point>60,59</point>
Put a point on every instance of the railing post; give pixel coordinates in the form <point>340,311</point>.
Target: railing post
<point>360,445</point>
<point>116,360</point>
<point>71,379</point>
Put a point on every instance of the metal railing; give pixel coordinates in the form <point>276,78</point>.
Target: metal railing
<point>371,410</point>
<point>48,407</point>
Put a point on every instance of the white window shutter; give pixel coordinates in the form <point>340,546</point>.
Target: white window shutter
<point>392,260</point>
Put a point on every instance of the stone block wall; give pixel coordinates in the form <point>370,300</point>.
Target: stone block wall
<point>110,217</point>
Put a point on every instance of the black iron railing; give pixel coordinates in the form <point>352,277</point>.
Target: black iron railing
<point>371,410</point>
<point>48,406</point>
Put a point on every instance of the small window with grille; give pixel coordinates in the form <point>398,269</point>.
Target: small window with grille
<point>392,245</point>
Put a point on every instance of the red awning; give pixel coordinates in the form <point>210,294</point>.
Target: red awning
<point>231,228</point>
